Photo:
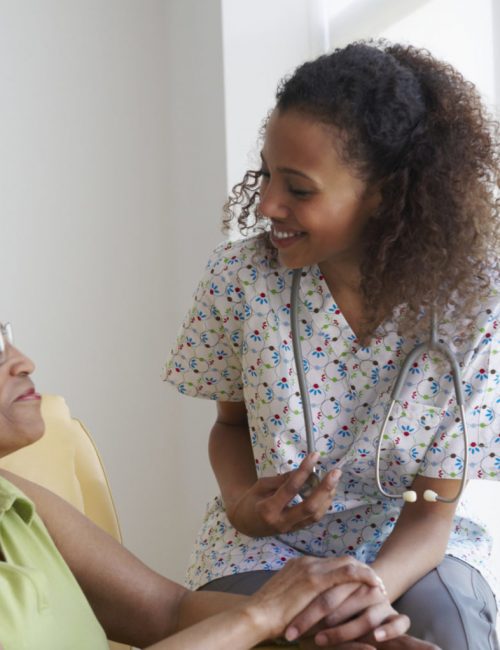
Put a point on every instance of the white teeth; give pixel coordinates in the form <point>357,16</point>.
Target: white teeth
<point>284,234</point>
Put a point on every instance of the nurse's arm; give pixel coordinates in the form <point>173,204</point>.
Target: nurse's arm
<point>260,507</point>
<point>419,539</point>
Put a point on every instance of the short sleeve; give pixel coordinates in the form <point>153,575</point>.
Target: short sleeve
<point>206,360</point>
<point>481,384</point>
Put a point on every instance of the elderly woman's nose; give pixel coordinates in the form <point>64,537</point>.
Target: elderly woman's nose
<point>19,363</point>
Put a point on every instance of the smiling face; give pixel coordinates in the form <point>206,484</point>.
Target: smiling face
<point>317,205</point>
<point>20,419</point>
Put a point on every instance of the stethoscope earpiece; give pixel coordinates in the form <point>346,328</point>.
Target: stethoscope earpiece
<point>430,496</point>
<point>410,496</point>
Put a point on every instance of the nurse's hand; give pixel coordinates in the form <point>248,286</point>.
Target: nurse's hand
<point>264,509</point>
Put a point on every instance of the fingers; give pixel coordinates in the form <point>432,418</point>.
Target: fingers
<point>373,617</point>
<point>312,508</point>
<point>323,576</point>
<point>364,596</point>
<point>324,604</point>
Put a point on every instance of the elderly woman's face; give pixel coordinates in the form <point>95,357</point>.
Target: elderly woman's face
<point>20,418</point>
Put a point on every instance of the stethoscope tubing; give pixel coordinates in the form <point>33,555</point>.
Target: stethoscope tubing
<point>433,344</point>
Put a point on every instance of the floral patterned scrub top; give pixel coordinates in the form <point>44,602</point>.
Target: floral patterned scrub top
<point>235,345</point>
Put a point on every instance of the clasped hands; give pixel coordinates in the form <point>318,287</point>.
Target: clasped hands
<point>351,611</point>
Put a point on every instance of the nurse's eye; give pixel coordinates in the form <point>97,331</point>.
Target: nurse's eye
<point>300,193</point>
<point>264,177</point>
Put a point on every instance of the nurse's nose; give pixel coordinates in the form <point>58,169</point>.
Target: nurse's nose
<point>272,202</point>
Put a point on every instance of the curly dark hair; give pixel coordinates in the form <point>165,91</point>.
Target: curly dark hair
<point>415,127</point>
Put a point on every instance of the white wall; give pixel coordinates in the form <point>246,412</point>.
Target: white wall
<point>264,40</point>
<point>114,165</point>
<point>112,173</point>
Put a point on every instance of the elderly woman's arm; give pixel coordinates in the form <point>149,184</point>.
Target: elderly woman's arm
<point>137,606</point>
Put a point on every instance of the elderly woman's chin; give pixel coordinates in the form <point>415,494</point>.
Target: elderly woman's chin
<point>21,426</point>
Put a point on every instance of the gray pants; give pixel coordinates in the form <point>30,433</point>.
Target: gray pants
<point>452,606</point>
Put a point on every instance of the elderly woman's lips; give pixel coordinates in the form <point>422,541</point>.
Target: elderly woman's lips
<point>30,394</point>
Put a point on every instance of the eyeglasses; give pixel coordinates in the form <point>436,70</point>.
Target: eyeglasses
<point>6,337</point>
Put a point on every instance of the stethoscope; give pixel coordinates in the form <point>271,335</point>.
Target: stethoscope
<point>432,344</point>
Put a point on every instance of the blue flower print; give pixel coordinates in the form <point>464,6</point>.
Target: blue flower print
<point>473,448</point>
<point>434,387</point>
<point>261,299</point>
<point>390,365</point>
<point>214,289</point>
<point>375,375</point>
<point>407,429</point>
<point>488,415</point>
<point>315,390</point>
<point>435,448</point>
<point>344,432</point>
<point>482,374</point>
<point>255,336</point>
<point>235,337</point>
<point>282,383</point>
<point>237,291</point>
<point>285,346</point>
<point>232,260</point>
<point>414,369</point>
<point>329,444</point>
<point>497,462</point>
<point>276,420</point>
<point>342,369</point>
<point>318,352</point>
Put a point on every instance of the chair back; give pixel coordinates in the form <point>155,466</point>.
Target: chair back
<point>65,460</point>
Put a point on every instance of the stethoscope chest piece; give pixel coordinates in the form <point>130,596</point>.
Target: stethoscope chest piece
<point>312,482</point>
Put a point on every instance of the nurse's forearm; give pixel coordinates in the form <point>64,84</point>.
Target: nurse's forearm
<point>419,540</point>
<point>232,460</point>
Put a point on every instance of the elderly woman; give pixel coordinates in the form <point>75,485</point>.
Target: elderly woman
<point>64,583</point>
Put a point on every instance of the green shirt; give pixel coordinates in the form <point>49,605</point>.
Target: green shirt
<point>41,604</point>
